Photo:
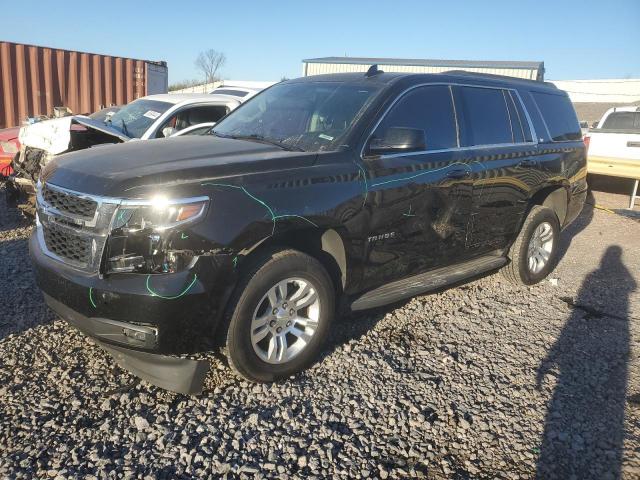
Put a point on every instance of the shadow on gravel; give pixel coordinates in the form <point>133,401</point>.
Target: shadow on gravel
<point>351,326</point>
<point>584,426</point>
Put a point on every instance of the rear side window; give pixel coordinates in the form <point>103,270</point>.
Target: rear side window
<point>622,121</point>
<point>428,108</point>
<point>483,116</point>
<point>559,115</point>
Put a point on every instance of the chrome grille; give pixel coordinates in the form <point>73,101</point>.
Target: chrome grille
<point>73,227</point>
<point>69,203</point>
<point>67,244</point>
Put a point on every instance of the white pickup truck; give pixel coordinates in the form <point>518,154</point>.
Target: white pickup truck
<point>614,146</point>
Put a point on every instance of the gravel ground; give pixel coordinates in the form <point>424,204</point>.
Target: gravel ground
<point>485,380</point>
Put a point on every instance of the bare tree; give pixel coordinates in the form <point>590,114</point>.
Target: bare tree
<point>209,62</point>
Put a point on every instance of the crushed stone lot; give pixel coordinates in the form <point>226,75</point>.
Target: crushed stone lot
<point>484,380</point>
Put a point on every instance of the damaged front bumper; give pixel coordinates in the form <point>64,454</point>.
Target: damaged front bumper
<point>21,193</point>
<point>148,332</point>
<point>175,373</point>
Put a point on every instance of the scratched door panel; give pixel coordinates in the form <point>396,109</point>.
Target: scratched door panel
<point>498,141</point>
<point>418,215</point>
<point>500,190</point>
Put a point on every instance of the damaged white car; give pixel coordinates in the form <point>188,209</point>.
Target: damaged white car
<point>155,116</point>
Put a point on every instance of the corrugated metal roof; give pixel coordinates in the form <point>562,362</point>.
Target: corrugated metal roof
<point>427,62</point>
<point>31,45</point>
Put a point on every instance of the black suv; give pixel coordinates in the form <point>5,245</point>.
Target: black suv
<point>321,194</point>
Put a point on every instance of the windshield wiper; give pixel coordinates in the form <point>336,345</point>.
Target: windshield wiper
<point>221,135</point>
<point>260,138</point>
<point>124,128</point>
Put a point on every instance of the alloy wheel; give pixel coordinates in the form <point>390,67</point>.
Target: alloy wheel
<point>540,247</point>
<point>285,320</point>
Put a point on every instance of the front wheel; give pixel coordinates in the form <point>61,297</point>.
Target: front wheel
<point>534,253</point>
<point>280,316</point>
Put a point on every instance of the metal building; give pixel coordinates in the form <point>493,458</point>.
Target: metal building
<point>317,66</point>
<point>35,79</point>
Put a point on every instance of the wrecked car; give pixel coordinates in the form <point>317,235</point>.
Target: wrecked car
<point>319,195</point>
<point>154,116</point>
<point>9,148</point>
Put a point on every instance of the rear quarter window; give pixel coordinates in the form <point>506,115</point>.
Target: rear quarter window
<point>559,116</point>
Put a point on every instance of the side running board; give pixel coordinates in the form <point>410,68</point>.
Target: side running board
<point>424,282</point>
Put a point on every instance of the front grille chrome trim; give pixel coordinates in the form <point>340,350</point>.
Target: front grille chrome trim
<point>94,231</point>
<point>72,202</point>
<point>79,220</point>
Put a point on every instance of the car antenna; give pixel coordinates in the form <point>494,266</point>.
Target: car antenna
<point>373,70</point>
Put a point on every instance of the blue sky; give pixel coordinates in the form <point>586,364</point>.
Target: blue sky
<point>268,40</point>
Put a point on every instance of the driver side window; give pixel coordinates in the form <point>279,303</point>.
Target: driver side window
<point>427,109</point>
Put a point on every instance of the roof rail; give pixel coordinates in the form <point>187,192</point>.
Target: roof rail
<point>498,77</point>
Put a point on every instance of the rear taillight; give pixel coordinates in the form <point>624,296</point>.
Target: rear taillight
<point>586,139</point>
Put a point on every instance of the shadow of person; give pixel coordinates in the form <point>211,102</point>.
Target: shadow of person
<point>584,426</point>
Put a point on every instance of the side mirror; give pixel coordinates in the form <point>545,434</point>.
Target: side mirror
<point>398,140</point>
<point>168,131</point>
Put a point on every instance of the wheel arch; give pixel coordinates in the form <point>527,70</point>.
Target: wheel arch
<point>554,197</point>
<point>325,245</point>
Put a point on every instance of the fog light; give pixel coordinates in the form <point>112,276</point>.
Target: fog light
<point>140,336</point>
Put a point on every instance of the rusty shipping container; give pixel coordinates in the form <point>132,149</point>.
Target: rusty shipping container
<point>35,79</point>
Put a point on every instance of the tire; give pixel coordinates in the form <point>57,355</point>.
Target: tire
<point>542,223</point>
<point>251,304</point>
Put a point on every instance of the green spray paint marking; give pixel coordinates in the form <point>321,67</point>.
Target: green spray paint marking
<point>295,216</point>
<point>366,187</point>
<point>409,214</point>
<point>235,261</point>
<point>183,236</point>
<point>154,294</point>
<point>411,177</point>
<point>274,217</point>
<point>91,297</point>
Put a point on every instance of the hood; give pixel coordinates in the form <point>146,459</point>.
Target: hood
<point>53,136</point>
<point>8,134</point>
<point>134,169</point>
<point>101,127</point>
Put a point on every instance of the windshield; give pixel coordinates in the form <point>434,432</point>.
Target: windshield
<point>101,115</point>
<point>308,116</point>
<point>136,117</point>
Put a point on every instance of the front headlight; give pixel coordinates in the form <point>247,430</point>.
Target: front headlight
<point>147,236</point>
<point>159,213</point>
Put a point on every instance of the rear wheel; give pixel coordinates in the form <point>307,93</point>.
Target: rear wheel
<point>534,253</point>
<point>280,316</point>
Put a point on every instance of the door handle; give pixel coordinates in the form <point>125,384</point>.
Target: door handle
<point>528,163</point>
<point>458,173</point>
<point>633,144</point>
